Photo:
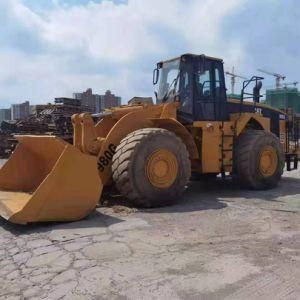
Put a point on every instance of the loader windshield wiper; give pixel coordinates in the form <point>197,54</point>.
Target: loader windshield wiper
<point>167,94</point>
<point>168,78</point>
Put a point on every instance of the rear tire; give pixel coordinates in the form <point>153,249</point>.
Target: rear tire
<point>151,167</point>
<point>258,160</point>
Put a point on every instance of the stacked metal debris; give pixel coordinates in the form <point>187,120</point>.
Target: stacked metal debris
<point>53,120</point>
<point>7,145</point>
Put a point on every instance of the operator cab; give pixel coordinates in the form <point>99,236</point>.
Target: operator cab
<point>197,82</point>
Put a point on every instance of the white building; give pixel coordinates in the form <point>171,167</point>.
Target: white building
<point>20,111</point>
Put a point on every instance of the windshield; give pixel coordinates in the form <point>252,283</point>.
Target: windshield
<point>168,78</point>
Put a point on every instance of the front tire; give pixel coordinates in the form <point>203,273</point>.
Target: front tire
<point>258,160</point>
<point>151,167</point>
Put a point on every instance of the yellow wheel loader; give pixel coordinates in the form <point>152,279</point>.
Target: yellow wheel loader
<point>149,152</point>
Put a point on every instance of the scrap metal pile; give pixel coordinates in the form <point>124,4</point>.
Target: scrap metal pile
<point>55,119</point>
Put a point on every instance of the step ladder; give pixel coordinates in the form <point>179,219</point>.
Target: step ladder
<point>228,134</point>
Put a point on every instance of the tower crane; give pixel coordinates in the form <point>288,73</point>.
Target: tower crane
<point>233,77</point>
<point>278,77</point>
<point>290,83</point>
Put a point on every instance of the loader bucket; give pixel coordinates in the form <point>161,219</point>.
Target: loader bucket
<point>47,179</point>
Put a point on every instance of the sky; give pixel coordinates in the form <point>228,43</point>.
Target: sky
<point>52,48</point>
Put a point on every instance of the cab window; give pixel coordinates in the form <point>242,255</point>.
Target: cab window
<point>203,84</point>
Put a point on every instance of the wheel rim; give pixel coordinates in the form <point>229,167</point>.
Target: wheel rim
<point>162,168</point>
<point>268,161</point>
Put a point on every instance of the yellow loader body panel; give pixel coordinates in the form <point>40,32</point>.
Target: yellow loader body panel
<point>45,180</point>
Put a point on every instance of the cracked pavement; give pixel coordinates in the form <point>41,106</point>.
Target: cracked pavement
<point>219,242</point>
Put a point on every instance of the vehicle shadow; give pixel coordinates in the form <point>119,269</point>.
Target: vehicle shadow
<point>94,220</point>
<point>213,194</point>
<point>192,200</point>
<point>216,193</point>
<point>200,195</point>
<point>288,186</point>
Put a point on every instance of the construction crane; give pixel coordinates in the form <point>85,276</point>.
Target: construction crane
<point>284,85</point>
<point>290,83</point>
<point>278,77</point>
<point>233,79</point>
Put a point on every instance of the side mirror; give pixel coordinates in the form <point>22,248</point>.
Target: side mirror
<point>155,76</point>
<point>256,91</point>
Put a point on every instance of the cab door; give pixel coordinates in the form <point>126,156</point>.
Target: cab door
<point>208,90</point>
<point>186,109</point>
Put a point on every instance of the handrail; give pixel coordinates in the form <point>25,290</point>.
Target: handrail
<point>245,84</point>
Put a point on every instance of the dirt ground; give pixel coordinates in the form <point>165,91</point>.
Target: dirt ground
<point>219,242</point>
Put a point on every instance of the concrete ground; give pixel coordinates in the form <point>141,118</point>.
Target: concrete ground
<point>218,243</point>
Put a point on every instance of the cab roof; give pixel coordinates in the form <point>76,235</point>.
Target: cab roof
<point>191,55</point>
